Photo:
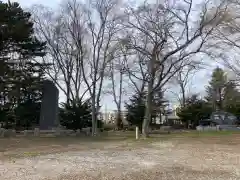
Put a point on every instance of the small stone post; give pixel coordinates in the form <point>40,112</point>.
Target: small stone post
<point>137,133</point>
<point>57,131</point>
<point>25,132</point>
<point>14,133</point>
<point>2,132</point>
<point>36,132</point>
<point>78,132</point>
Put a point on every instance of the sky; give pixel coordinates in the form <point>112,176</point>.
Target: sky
<point>198,84</point>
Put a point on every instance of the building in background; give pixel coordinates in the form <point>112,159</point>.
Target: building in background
<point>109,117</point>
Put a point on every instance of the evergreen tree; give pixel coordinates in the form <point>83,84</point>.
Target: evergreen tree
<point>137,105</point>
<point>221,92</point>
<point>232,99</point>
<point>27,114</point>
<point>216,89</point>
<point>76,115</point>
<point>195,110</point>
<point>20,76</point>
<point>136,109</point>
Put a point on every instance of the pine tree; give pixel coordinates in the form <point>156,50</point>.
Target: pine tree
<point>232,99</point>
<point>28,98</point>
<point>136,109</point>
<point>195,110</point>
<point>222,93</point>
<point>76,115</point>
<point>216,88</point>
<point>20,76</point>
<point>137,105</point>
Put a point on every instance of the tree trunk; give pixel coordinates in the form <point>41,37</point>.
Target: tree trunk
<point>160,117</point>
<point>119,123</point>
<point>148,112</point>
<point>148,116</point>
<point>183,94</point>
<point>93,122</point>
<point>93,117</point>
<point>149,98</point>
<point>96,123</point>
<point>68,93</point>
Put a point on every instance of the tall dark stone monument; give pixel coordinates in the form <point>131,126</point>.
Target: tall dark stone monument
<point>49,107</point>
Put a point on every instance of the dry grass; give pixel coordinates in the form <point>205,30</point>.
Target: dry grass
<point>178,156</point>
<point>33,146</point>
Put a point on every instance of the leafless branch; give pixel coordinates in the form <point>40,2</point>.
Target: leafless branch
<point>65,33</point>
<point>172,37</point>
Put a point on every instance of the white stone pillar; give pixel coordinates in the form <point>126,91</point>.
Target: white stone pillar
<point>137,132</point>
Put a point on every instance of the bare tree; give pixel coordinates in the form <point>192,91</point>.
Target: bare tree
<point>172,36</point>
<point>81,42</point>
<point>227,38</point>
<point>64,31</point>
<point>136,70</point>
<point>103,19</point>
<point>182,80</point>
<point>123,78</point>
<point>117,73</point>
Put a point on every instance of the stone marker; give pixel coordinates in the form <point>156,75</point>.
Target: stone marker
<point>9,133</point>
<point>25,132</point>
<point>78,132</point>
<point>36,132</point>
<point>49,107</point>
<point>2,132</point>
<point>86,131</point>
<point>137,133</point>
<point>14,133</point>
<point>57,131</point>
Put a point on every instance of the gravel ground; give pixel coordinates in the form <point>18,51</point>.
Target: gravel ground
<point>167,160</point>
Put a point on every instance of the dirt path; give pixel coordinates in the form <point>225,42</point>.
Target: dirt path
<point>163,161</point>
